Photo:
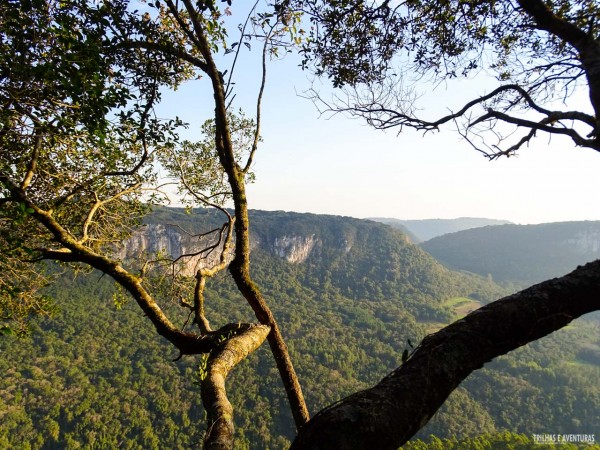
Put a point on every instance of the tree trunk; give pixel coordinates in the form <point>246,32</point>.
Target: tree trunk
<point>219,432</point>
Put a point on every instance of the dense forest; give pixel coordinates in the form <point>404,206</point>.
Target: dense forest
<point>70,384</point>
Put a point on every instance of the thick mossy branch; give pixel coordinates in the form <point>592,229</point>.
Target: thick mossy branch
<point>219,434</point>
<point>390,413</point>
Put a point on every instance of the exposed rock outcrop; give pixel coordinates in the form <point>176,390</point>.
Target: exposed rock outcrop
<point>169,242</point>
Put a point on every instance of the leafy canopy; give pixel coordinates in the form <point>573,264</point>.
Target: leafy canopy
<point>77,133</point>
<point>539,52</point>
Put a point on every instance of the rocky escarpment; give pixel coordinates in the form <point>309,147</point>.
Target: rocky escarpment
<point>294,249</point>
<point>319,240</point>
<point>164,242</point>
<point>292,237</point>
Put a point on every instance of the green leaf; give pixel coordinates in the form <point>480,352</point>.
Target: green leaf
<point>6,331</point>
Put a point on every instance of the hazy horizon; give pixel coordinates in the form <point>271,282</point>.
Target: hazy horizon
<point>337,165</point>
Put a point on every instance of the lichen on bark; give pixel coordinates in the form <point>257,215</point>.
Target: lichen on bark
<point>220,429</point>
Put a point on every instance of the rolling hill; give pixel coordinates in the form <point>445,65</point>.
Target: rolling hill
<point>425,229</point>
<point>521,254</point>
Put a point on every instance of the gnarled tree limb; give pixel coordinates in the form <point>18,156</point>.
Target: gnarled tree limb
<point>219,433</point>
<point>390,413</point>
<point>240,266</point>
<point>383,110</point>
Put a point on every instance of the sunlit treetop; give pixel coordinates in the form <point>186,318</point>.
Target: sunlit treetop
<point>78,134</point>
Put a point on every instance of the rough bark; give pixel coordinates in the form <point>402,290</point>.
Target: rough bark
<point>220,430</point>
<point>390,413</point>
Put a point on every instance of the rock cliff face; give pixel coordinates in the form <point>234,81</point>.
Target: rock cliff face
<point>296,238</point>
<point>585,241</point>
<point>156,241</point>
<point>294,249</point>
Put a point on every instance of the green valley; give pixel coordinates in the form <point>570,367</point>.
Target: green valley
<point>98,377</point>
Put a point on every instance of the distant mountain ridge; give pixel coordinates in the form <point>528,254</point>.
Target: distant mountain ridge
<point>425,229</point>
<point>523,254</point>
<point>361,258</point>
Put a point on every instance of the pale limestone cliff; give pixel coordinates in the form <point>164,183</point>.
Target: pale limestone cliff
<point>157,241</point>
<point>294,249</point>
<point>164,242</point>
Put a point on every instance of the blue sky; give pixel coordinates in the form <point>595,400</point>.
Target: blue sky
<point>340,166</point>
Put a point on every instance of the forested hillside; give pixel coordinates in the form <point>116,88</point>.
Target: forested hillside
<point>522,254</point>
<point>348,302</point>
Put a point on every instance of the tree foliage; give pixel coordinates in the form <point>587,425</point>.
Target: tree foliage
<point>539,52</point>
<point>61,76</point>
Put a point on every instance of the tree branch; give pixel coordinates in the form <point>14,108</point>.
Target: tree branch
<point>32,162</point>
<point>240,266</point>
<point>378,112</point>
<point>219,434</point>
<point>204,273</point>
<point>259,101</point>
<point>99,204</point>
<point>182,25</point>
<point>585,43</point>
<point>168,50</point>
<point>390,413</point>
<point>198,308</point>
<point>239,47</point>
<point>546,20</point>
